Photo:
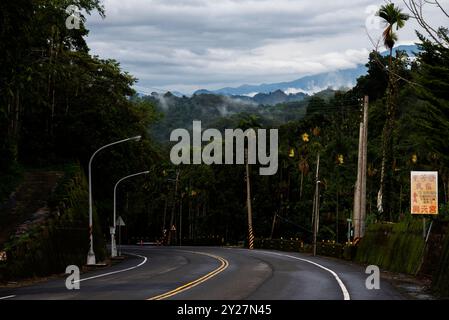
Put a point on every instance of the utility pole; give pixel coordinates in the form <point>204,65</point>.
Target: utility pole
<point>337,218</point>
<point>316,207</point>
<point>180,221</point>
<point>248,205</point>
<point>360,187</point>
<point>364,167</point>
<point>165,215</point>
<point>190,216</point>
<point>273,225</point>
<point>172,216</point>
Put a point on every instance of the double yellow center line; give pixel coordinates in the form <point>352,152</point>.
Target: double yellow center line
<point>190,285</point>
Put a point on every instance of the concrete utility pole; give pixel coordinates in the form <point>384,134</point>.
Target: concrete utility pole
<point>180,220</point>
<point>172,216</point>
<point>360,187</point>
<point>165,216</point>
<point>273,225</point>
<point>316,207</point>
<point>248,204</point>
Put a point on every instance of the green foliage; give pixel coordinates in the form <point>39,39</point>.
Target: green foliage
<point>62,240</point>
<point>374,83</point>
<point>433,76</point>
<point>59,104</point>
<point>9,178</point>
<point>396,247</point>
<point>394,19</point>
<point>440,283</point>
<point>218,112</point>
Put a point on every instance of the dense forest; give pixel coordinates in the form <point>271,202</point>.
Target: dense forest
<point>58,104</point>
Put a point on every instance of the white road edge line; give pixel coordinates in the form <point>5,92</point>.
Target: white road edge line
<point>118,271</point>
<point>340,283</point>
<point>7,297</point>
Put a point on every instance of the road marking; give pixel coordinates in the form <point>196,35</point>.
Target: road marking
<point>145,259</point>
<point>340,282</point>
<point>190,285</point>
<point>118,271</point>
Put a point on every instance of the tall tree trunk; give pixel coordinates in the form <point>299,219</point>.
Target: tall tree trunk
<point>387,170</point>
<point>445,179</point>
<point>190,219</point>
<point>10,118</point>
<point>337,215</point>
<point>16,114</point>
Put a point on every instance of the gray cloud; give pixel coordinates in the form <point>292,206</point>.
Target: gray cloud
<point>185,45</point>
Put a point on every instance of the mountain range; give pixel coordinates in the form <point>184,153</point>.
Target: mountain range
<point>270,99</point>
<point>310,84</point>
<point>299,89</point>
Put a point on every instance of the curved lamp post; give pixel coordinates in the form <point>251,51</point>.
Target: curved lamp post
<point>113,245</point>
<point>91,255</point>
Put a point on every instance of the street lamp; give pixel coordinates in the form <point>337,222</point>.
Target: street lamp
<point>113,246</point>
<point>91,255</point>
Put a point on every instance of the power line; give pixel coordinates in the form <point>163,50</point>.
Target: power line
<point>292,223</point>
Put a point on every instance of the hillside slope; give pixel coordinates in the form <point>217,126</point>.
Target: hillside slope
<point>25,205</point>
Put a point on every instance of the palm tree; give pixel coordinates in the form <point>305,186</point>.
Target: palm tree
<point>393,16</point>
<point>394,19</point>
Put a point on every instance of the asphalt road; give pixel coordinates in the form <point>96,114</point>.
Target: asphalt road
<point>193,273</point>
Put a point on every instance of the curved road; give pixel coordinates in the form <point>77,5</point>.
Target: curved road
<point>193,273</point>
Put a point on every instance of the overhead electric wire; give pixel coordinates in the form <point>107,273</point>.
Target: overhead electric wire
<point>296,225</point>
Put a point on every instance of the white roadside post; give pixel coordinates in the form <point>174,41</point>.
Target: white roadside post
<point>91,255</point>
<point>349,230</point>
<point>113,228</point>
<point>120,223</point>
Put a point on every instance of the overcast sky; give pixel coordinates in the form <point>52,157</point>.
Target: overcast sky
<point>186,45</point>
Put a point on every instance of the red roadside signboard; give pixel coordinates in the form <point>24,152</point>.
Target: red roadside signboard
<point>424,193</point>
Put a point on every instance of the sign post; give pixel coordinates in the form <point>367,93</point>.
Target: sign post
<point>424,196</point>
<point>424,193</point>
<point>113,246</point>
<point>120,223</point>
<point>349,230</point>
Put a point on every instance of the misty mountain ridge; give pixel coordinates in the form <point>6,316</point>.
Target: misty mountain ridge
<point>336,80</point>
<point>296,90</point>
<point>272,98</point>
<point>306,85</point>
